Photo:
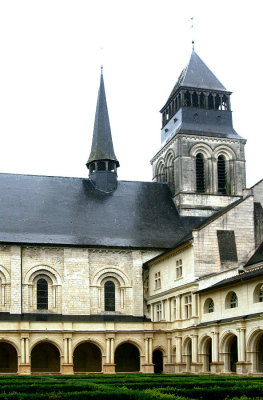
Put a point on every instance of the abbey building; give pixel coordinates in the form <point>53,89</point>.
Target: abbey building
<point>102,275</point>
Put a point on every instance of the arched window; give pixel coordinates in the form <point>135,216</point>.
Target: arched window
<point>233,301</point>
<point>42,294</point>
<point>211,306</point>
<point>258,293</point>
<point>221,175</point>
<point>200,173</point>
<point>109,296</point>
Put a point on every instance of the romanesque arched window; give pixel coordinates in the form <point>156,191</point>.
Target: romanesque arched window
<point>42,294</point>
<point>200,173</point>
<point>109,296</point>
<point>221,174</point>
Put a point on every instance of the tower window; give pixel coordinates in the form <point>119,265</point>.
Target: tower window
<point>200,173</point>
<point>158,312</point>
<point>157,280</point>
<point>109,296</point>
<point>42,294</point>
<point>221,175</point>
<point>188,306</point>
<point>179,269</point>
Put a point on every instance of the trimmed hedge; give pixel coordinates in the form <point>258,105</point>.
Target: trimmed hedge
<point>130,386</point>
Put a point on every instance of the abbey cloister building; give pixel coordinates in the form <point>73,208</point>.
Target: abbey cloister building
<point>102,275</point>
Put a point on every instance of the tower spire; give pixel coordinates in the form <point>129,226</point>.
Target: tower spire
<point>102,162</point>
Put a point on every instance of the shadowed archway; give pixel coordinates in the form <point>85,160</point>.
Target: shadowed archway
<point>158,361</point>
<point>127,358</point>
<point>8,358</point>
<point>45,357</point>
<point>87,358</point>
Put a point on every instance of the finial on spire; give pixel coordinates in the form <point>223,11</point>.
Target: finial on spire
<point>192,30</point>
<point>101,69</point>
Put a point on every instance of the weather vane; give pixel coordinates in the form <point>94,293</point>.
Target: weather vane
<point>192,30</point>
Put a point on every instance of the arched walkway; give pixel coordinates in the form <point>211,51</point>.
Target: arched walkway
<point>230,353</point>
<point>8,358</point>
<point>87,358</point>
<point>45,357</point>
<point>207,354</point>
<point>127,358</point>
<point>158,361</point>
<point>257,351</point>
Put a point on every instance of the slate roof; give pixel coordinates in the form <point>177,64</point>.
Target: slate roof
<point>243,276</point>
<point>257,256</point>
<point>102,145</point>
<point>70,211</point>
<point>197,75</point>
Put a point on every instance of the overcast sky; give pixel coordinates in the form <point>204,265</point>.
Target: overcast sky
<point>51,52</point>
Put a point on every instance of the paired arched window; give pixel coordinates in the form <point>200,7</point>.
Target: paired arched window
<point>109,296</point>
<point>42,294</point>
<point>221,174</point>
<point>200,173</point>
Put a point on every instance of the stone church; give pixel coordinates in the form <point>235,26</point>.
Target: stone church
<point>102,275</point>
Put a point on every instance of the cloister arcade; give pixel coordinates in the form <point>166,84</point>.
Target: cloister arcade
<point>206,354</point>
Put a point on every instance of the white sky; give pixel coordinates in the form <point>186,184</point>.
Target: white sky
<point>50,57</point>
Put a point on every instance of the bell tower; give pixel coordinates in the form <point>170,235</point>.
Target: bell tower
<point>201,157</point>
<point>102,162</point>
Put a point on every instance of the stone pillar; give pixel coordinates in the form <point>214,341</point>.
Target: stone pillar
<point>169,366</point>
<point>16,266</point>
<point>24,364</point>
<point>241,365</point>
<point>151,312</point>
<point>163,310</point>
<point>109,366</point>
<point>195,365</point>
<point>148,366</point>
<point>216,366</point>
<point>179,365</point>
<point>168,310</point>
<point>67,366</point>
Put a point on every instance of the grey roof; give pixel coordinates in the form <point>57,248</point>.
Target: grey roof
<point>243,276</point>
<point>198,76</point>
<point>102,146</point>
<point>70,211</point>
<point>257,256</point>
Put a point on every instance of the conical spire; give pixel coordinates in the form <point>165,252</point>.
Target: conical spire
<point>102,146</point>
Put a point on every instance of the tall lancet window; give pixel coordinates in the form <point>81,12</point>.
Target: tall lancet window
<point>200,173</point>
<point>221,175</point>
<point>42,294</point>
<point>109,296</point>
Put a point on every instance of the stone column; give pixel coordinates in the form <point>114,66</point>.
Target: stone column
<point>67,366</point>
<point>109,366</point>
<point>179,365</point>
<point>169,366</point>
<point>241,365</point>
<point>150,350</point>
<point>24,364</point>
<point>148,366</point>
<point>163,310</point>
<point>216,366</point>
<point>195,365</point>
<point>168,311</point>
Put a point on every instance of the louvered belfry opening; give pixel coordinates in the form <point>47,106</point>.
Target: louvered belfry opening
<point>221,175</point>
<point>109,296</point>
<point>200,173</point>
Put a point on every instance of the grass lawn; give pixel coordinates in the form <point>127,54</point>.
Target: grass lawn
<point>130,386</point>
